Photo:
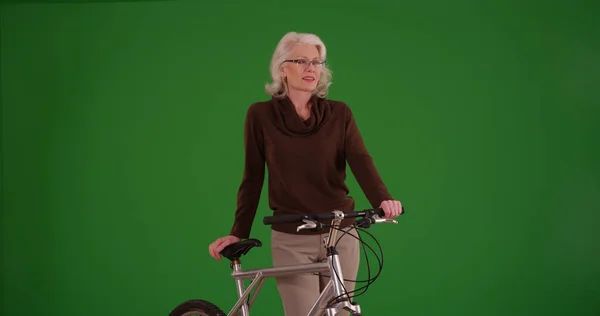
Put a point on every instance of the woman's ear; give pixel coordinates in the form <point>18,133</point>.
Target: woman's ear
<point>283,71</point>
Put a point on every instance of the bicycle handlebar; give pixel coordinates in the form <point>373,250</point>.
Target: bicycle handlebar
<point>298,218</point>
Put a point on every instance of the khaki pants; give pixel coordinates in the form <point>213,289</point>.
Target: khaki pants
<point>299,292</point>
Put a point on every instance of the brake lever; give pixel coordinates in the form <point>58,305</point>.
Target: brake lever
<point>377,220</point>
<point>308,224</point>
<point>367,221</point>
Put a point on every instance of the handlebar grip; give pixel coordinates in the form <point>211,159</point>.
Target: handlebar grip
<point>268,220</point>
<point>380,212</point>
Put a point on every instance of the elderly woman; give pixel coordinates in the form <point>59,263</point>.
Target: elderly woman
<point>305,140</point>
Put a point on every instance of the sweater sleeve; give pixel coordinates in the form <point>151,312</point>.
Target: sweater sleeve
<point>249,191</point>
<point>362,165</point>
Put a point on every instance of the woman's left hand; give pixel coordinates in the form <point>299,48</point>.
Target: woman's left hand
<point>391,208</point>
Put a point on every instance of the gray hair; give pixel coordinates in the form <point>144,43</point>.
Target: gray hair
<point>278,88</point>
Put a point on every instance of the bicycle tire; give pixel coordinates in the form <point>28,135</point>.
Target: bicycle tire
<point>197,308</point>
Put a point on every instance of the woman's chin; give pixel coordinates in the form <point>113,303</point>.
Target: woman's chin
<point>305,88</point>
<point>309,86</point>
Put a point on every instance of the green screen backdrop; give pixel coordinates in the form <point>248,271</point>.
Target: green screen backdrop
<point>122,150</point>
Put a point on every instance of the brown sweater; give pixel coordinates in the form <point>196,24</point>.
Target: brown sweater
<point>306,162</point>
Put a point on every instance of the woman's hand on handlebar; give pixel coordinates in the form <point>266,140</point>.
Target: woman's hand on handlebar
<point>218,245</point>
<point>391,208</point>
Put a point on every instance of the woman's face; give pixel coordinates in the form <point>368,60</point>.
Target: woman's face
<point>302,68</point>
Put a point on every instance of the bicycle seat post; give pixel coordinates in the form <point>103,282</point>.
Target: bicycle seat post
<point>236,266</point>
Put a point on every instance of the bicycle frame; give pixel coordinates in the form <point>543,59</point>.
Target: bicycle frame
<point>333,289</point>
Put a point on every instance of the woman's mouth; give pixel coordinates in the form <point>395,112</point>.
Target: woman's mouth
<point>308,79</point>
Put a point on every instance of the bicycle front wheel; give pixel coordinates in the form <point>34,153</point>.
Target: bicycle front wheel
<point>197,308</point>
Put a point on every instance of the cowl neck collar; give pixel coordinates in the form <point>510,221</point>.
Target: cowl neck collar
<point>292,124</point>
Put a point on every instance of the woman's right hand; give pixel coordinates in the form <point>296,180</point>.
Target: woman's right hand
<point>218,245</point>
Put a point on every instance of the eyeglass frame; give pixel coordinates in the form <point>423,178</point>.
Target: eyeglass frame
<point>309,62</point>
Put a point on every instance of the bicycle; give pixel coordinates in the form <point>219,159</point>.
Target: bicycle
<point>332,299</point>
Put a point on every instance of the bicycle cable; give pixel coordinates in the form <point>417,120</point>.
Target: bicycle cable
<point>370,280</point>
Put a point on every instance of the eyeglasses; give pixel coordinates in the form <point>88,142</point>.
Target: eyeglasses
<point>305,62</point>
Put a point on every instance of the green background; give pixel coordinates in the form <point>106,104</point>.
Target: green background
<point>122,150</point>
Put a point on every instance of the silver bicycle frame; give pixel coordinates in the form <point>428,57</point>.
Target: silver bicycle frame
<point>333,289</point>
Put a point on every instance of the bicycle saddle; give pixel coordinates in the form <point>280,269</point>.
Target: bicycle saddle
<point>238,249</point>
